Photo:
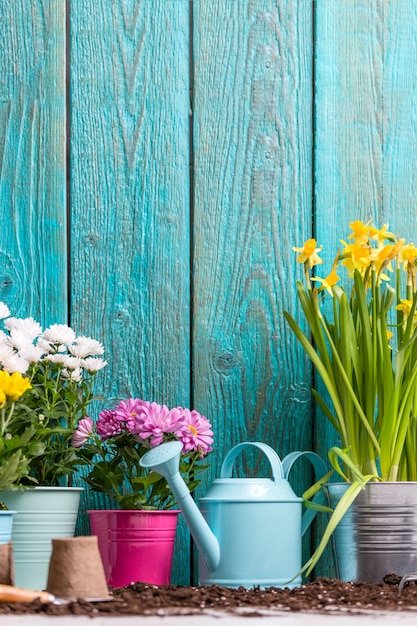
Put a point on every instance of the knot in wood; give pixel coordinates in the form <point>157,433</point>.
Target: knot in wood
<point>226,361</point>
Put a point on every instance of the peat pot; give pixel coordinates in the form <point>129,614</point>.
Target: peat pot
<point>135,545</point>
<point>43,513</point>
<point>378,534</point>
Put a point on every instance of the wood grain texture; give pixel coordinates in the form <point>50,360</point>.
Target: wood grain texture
<point>130,199</point>
<point>365,121</point>
<point>252,179</point>
<point>365,139</point>
<point>33,249</point>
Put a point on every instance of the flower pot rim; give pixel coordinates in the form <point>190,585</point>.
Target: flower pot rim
<point>7,512</point>
<point>377,482</point>
<point>164,511</point>
<point>51,488</point>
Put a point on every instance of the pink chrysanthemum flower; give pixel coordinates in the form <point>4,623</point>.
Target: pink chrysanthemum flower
<point>82,433</point>
<point>108,425</point>
<point>130,411</point>
<point>196,433</point>
<point>156,420</point>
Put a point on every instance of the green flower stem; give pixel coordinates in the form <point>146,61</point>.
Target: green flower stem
<point>5,420</point>
<point>351,391</point>
<point>326,377</point>
<point>404,418</point>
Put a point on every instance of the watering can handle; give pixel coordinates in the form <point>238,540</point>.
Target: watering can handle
<point>272,456</point>
<point>319,471</point>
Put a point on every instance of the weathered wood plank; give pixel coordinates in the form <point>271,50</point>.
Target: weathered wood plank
<point>399,117</point>
<point>130,198</point>
<point>252,180</point>
<point>365,139</point>
<point>365,142</point>
<point>33,249</point>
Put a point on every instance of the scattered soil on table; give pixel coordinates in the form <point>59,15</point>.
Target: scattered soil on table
<point>322,595</point>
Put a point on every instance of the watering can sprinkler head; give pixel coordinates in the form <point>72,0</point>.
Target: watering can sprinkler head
<point>164,460</point>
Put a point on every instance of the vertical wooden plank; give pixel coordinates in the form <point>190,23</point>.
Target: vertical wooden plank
<point>365,109</point>
<point>365,124</point>
<point>365,140</point>
<point>399,109</point>
<point>33,250</point>
<point>252,180</point>
<point>130,198</point>
<point>348,131</point>
<point>348,144</point>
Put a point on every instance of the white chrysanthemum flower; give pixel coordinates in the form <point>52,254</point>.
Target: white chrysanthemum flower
<point>50,348</point>
<point>6,351</point>
<point>31,353</point>
<point>15,363</point>
<point>92,365</point>
<point>4,311</point>
<point>28,325</point>
<point>75,375</point>
<point>84,347</point>
<point>5,340</point>
<point>72,362</point>
<point>58,358</point>
<point>20,339</point>
<point>59,334</point>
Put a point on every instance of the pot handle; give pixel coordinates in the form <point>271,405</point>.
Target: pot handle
<point>272,456</point>
<point>319,471</point>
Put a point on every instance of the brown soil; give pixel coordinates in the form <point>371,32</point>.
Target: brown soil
<point>322,595</point>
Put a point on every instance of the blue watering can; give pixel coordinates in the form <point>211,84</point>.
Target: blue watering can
<point>248,530</point>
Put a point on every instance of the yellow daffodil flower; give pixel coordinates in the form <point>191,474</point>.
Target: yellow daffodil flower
<point>360,232</point>
<point>13,385</point>
<point>382,258</point>
<point>381,234</point>
<point>309,253</point>
<point>328,282</point>
<point>408,256</point>
<point>355,256</point>
<point>405,306</point>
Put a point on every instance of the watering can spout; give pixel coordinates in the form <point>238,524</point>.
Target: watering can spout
<point>164,460</point>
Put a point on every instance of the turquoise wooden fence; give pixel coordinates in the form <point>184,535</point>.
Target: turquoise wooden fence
<point>160,158</point>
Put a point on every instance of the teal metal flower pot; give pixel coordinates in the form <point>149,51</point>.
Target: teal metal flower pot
<point>44,513</point>
<point>6,525</point>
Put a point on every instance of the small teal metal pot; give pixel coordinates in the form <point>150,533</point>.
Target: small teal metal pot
<point>6,525</point>
<point>43,513</point>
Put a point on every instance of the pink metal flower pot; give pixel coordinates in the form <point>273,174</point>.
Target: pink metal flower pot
<point>135,545</point>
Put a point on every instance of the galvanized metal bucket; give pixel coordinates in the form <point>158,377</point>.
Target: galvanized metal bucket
<point>378,534</point>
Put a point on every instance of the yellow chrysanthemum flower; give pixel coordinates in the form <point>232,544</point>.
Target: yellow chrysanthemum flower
<point>309,253</point>
<point>328,282</point>
<point>13,385</point>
